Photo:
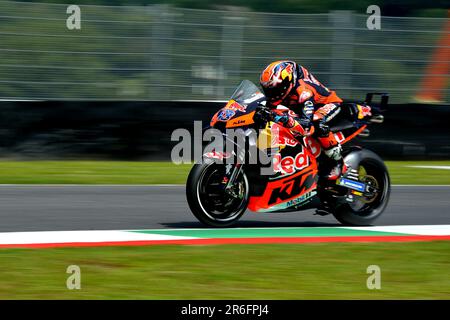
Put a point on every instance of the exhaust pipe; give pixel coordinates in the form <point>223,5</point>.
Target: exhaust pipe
<point>377,118</point>
<point>365,133</point>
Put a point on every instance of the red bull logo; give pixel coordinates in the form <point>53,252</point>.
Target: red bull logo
<point>287,72</point>
<point>364,111</point>
<point>281,137</point>
<point>233,105</point>
<point>288,164</point>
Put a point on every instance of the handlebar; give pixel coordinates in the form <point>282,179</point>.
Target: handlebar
<point>383,102</point>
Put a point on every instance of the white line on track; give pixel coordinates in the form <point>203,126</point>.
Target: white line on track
<point>81,236</point>
<point>48,237</point>
<point>428,229</point>
<point>431,167</point>
<point>416,229</point>
<point>424,230</point>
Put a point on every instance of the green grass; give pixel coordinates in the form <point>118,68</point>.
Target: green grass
<point>92,172</point>
<point>402,173</point>
<point>128,172</point>
<point>314,271</point>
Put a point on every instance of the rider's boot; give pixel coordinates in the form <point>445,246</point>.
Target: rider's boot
<point>333,149</point>
<point>335,154</point>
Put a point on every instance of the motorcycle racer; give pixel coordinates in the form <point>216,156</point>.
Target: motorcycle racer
<point>220,192</point>
<point>289,85</point>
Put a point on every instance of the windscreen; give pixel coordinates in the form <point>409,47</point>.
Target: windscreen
<point>246,93</point>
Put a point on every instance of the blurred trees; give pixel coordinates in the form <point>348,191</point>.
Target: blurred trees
<point>435,8</point>
<point>164,52</point>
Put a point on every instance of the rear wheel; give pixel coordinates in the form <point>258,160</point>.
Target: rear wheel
<point>208,200</point>
<point>367,207</point>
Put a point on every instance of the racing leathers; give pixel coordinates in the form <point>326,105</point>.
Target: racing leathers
<point>313,105</point>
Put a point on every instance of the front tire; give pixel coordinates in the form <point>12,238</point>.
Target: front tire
<point>207,198</point>
<point>366,210</point>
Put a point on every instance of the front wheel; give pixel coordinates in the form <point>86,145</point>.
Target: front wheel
<point>365,209</point>
<point>208,200</point>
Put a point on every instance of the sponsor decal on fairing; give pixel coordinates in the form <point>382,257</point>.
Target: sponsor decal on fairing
<point>235,106</point>
<point>355,185</point>
<point>289,164</point>
<point>294,202</point>
<point>225,114</point>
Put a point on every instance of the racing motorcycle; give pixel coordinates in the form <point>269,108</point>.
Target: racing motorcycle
<point>219,192</point>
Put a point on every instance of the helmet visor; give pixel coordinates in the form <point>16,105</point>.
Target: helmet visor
<point>278,93</point>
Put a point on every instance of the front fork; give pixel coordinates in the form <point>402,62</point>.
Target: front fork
<point>231,183</point>
<point>236,170</point>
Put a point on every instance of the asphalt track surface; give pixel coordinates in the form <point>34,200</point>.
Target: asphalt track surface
<point>51,208</point>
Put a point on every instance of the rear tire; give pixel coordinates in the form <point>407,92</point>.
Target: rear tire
<point>206,199</point>
<point>370,209</point>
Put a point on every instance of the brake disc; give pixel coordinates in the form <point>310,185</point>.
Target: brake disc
<point>373,185</point>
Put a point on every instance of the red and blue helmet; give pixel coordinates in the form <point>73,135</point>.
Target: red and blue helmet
<point>278,79</point>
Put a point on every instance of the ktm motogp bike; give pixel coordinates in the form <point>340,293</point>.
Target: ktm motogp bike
<point>219,192</point>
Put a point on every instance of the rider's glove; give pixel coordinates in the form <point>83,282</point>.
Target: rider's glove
<point>283,119</point>
<point>263,115</point>
<point>323,129</point>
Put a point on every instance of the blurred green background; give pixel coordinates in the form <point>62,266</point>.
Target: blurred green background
<point>140,172</point>
<point>200,50</point>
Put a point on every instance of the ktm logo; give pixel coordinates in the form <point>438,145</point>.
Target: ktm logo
<point>238,122</point>
<point>291,188</point>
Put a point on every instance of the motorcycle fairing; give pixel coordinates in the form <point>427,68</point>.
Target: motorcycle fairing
<point>294,203</point>
<point>240,109</point>
<point>285,190</point>
<point>243,120</point>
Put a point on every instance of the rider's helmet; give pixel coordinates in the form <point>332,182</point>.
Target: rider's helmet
<point>278,79</point>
